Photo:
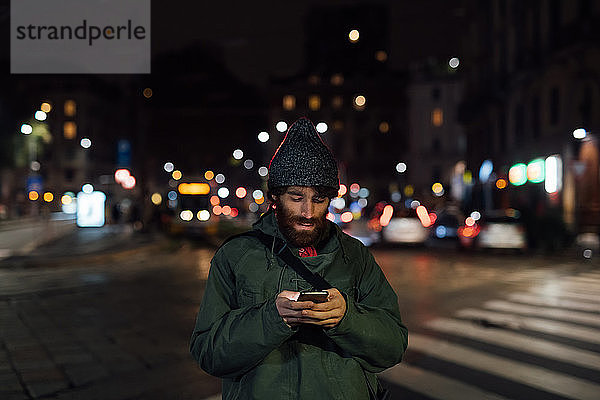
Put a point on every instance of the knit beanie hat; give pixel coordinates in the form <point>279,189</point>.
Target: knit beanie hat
<point>302,159</point>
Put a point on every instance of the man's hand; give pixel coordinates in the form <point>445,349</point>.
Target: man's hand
<point>327,314</point>
<point>289,309</point>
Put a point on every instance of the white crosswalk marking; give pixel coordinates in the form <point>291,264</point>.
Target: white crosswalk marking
<point>518,342</point>
<point>566,294</point>
<point>565,315</point>
<point>568,307</point>
<point>528,298</point>
<point>585,279</point>
<point>533,324</point>
<point>580,286</point>
<point>538,377</point>
<point>435,385</point>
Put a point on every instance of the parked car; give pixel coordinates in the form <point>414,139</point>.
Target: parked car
<point>405,230</point>
<point>405,227</point>
<point>502,230</point>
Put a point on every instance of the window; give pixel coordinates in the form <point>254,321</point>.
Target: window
<point>69,130</point>
<point>437,117</point>
<point>314,102</point>
<point>70,108</point>
<point>384,127</point>
<point>337,102</point>
<point>337,79</point>
<point>289,102</point>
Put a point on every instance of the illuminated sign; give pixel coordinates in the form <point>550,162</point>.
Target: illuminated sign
<point>535,171</point>
<point>553,166</point>
<point>90,209</point>
<point>194,188</point>
<point>517,174</point>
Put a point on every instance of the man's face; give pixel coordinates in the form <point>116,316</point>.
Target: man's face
<point>301,214</point>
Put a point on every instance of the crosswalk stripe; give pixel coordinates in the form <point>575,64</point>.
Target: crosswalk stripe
<point>583,279</point>
<point>592,274</point>
<point>534,324</point>
<point>553,302</point>
<point>579,286</point>
<point>519,342</point>
<point>554,313</point>
<point>434,385</point>
<point>566,294</point>
<point>526,374</point>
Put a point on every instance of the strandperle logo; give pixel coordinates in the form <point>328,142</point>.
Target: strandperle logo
<point>75,36</point>
<point>87,32</point>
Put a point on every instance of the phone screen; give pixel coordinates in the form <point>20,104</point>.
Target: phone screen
<point>316,296</point>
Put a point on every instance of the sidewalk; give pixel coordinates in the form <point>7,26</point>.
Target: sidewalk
<point>20,237</point>
<point>117,328</point>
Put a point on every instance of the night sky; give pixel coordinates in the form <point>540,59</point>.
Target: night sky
<point>262,39</point>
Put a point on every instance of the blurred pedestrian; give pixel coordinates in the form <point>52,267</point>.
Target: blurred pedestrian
<point>254,331</point>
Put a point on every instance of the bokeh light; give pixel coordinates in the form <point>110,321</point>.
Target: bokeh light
<point>85,143</point>
<point>223,192</point>
<point>238,154</point>
<point>321,127</point>
<point>240,192</point>
<point>156,199</point>
<point>281,126</point>
<point>87,188</point>
<point>264,136</point>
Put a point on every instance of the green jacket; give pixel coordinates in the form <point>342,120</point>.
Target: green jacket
<point>240,337</point>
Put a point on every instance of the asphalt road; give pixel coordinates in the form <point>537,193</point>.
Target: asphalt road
<point>110,318</point>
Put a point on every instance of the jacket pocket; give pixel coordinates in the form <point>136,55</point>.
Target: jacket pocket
<point>247,297</point>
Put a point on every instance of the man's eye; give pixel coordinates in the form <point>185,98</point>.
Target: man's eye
<point>296,198</point>
<point>318,199</point>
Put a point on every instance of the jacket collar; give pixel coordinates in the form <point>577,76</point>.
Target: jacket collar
<point>267,223</point>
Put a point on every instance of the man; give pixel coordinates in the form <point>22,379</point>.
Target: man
<point>252,333</point>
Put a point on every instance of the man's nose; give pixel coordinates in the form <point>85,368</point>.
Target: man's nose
<point>307,209</point>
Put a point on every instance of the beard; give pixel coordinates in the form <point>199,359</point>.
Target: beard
<point>286,221</point>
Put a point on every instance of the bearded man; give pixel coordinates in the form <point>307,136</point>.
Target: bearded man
<point>254,333</point>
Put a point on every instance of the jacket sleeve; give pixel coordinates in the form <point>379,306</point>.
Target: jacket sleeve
<point>372,331</point>
<point>227,340</point>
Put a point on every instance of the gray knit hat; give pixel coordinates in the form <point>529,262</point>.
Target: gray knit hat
<point>302,159</point>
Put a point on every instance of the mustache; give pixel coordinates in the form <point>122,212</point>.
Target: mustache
<point>304,220</point>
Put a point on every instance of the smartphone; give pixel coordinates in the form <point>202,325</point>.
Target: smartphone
<point>316,296</point>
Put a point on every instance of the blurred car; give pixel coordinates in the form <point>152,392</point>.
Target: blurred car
<point>406,230</point>
<point>445,230</point>
<point>359,229</point>
<point>404,227</point>
<point>502,230</point>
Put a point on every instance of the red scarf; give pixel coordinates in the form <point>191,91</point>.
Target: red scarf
<point>307,251</point>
